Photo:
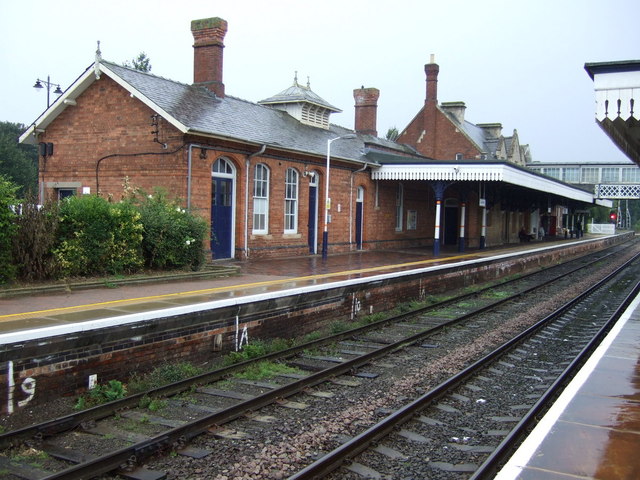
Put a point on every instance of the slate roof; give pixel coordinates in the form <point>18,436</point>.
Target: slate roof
<point>202,112</point>
<point>480,137</point>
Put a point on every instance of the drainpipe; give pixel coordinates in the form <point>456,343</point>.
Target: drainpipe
<point>246,198</point>
<point>351,204</point>
<point>189,178</point>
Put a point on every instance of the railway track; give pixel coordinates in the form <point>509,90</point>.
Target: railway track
<point>433,436</point>
<point>216,399</point>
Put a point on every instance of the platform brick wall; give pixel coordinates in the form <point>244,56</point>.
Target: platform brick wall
<point>61,365</point>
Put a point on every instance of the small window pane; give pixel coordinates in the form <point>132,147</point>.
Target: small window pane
<point>589,175</point>
<point>260,199</point>
<point>291,201</point>
<point>610,175</point>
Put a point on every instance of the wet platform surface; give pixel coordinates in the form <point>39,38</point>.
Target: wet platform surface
<point>593,429</point>
<point>255,276</point>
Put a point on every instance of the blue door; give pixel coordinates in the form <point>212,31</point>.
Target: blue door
<point>222,210</point>
<point>359,217</point>
<point>312,230</point>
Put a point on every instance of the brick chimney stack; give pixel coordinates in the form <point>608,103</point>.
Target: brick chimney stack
<point>208,44</point>
<point>366,110</point>
<point>429,146</point>
<point>432,69</point>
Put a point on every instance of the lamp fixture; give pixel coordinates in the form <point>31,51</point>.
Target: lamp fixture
<point>47,83</point>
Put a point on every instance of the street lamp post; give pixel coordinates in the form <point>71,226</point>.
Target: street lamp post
<point>48,84</point>
<point>327,200</point>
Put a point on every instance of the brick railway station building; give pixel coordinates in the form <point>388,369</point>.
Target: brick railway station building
<point>276,178</point>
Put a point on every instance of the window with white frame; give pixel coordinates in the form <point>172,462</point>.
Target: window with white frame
<point>260,199</point>
<point>291,201</point>
<point>631,175</point>
<point>610,175</point>
<point>399,207</point>
<point>571,174</point>
<point>590,175</point>
<point>552,172</point>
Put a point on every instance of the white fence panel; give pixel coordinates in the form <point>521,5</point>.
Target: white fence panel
<point>604,228</point>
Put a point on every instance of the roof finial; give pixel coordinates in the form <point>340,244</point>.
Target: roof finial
<point>295,79</point>
<point>308,83</point>
<point>96,65</point>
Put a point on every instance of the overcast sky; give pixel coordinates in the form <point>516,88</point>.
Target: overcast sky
<point>519,63</point>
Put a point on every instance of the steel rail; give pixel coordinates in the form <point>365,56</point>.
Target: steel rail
<point>491,465</point>
<point>334,459</point>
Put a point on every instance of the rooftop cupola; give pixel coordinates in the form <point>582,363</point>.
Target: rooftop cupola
<point>302,104</point>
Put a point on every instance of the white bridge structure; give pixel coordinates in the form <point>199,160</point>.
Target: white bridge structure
<point>612,181</point>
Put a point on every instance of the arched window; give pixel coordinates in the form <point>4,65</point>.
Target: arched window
<point>291,201</point>
<point>221,168</point>
<point>261,199</point>
<point>399,207</point>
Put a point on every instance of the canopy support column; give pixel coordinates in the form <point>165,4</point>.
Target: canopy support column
<point>463,208</point>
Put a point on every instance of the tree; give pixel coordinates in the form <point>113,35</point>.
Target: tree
<point>392,134</point>
<point>141,63</point>
<point>18,163</point>
<point>8,202</point>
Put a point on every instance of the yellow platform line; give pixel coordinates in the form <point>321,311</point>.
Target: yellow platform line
<point>53,311</point>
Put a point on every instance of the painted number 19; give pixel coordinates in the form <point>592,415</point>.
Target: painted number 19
<point>28,387</point>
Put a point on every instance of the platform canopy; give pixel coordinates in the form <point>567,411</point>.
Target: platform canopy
<point>482,172</point>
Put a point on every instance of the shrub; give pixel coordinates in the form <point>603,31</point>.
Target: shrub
<point>98,237</point>
<point>173,237</point>
<point>163,375</point>
<point>8,201</point>
<point>114,390</point>
<point>34,240</point>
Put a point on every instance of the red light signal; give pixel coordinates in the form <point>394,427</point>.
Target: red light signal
<point>613,216</point>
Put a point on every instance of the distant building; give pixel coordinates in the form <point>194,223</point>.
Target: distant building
<point>258,171</point>
<point>441,131</point>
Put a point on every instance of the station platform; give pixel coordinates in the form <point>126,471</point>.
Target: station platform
<point>593,429</point>
<point>33,311</point>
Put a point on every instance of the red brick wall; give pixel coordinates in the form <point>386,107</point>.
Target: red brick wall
<point>108,122</point>
<point>434,135</point>
<point>110,128</point>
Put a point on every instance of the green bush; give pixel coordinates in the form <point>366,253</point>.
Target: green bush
<point>34,240</point>
<point>8,201</point>
<point>114,390</point>
<point>163,375</point>
<point>98,237</point>
<point>172,237</point>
